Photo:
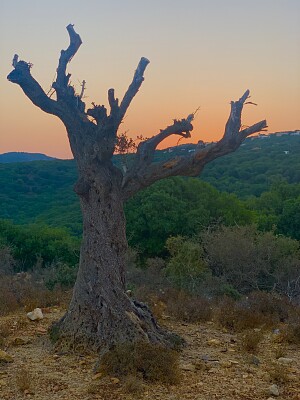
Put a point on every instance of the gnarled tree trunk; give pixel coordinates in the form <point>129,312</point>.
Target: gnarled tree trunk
<point>100,313</point>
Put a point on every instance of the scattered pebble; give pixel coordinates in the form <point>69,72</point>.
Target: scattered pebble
<point>4,357</point>
<point>35,315</point>
<point>273,390</point>
<point>285,360</point>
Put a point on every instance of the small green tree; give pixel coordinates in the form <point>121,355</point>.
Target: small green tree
<point>186,268</point>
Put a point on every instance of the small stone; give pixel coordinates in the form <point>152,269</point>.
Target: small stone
<point>226,364</point>
<point>188,367</point>
<point>28,392</point>
<point>18,341</point>
<point>233,362</point>
<point>4,357</point>
<point>285,360</point>
<point>2,382</point>
<point>115,380</point>
<point>255,360</point>
<point>273,390</point>
<point>214,342</point>
<point>35,315</point>
<point>99,375</point>
<point>41,330</point>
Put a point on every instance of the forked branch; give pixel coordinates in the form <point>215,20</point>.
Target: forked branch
<point>191,165</point>
<point>146,149</point>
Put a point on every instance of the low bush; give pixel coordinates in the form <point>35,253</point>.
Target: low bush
<point>152,362</point>
<point>254,311</point>
<point>22,291</point>
<point>186,307</point>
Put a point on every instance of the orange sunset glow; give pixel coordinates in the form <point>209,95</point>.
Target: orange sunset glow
<point>202,54</point>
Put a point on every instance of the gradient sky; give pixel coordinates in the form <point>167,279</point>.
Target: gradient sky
<point>202,53</point>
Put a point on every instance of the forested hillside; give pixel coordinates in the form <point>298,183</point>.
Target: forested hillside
<point>256,166</point>
<point>42,191</point>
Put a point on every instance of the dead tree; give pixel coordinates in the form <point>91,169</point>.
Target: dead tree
<point>100,313</point>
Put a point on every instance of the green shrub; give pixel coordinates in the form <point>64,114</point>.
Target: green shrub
<point>59,275</point>
<point>186,268</point>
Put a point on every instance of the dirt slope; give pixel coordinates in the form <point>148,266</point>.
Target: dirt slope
<point>213,367</point>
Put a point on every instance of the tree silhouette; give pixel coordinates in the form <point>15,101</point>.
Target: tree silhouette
<point>100,313</point>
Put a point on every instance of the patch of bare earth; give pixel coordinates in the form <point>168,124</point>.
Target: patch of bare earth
<point>214,366</point>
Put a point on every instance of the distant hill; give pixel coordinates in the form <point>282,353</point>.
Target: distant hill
<point>13,157</point>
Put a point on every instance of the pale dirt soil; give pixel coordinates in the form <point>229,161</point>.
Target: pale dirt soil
<point>209,371</point>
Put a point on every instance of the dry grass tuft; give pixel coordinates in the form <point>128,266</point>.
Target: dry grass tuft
<point>4,333</point>
<point>279,374</point>
<point>250,341</point>
<point>23,380</point>
<point>133,385</point>
<point>291,334</point>
<point>280,351</point>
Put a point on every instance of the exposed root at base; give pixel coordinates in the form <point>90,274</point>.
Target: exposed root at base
<point>87,335</point>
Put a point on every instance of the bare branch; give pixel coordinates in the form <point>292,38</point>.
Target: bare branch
<point>234,121</point>
<point>192,165</point>
<point>15,60</point>
<point>146,149</point>
<point>21,76</point>
<point>83,87</point>
<point>133,88</point>
<point>113,102</point>
<point>62,80</point>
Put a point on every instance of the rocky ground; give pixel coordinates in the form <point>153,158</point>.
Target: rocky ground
<point>213,366</point>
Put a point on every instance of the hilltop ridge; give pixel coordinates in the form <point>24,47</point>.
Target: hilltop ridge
<point>15,156</point>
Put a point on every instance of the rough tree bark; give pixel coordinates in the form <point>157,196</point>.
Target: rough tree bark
<point>100,313</point>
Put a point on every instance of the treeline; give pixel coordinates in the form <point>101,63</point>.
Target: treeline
<point>198,237</point>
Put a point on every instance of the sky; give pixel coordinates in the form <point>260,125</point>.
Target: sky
<point>203,53</point>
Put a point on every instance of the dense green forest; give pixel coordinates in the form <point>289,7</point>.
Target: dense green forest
<point>258,173</point>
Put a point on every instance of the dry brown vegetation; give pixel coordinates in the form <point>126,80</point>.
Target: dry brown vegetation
<point>233,351</point>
